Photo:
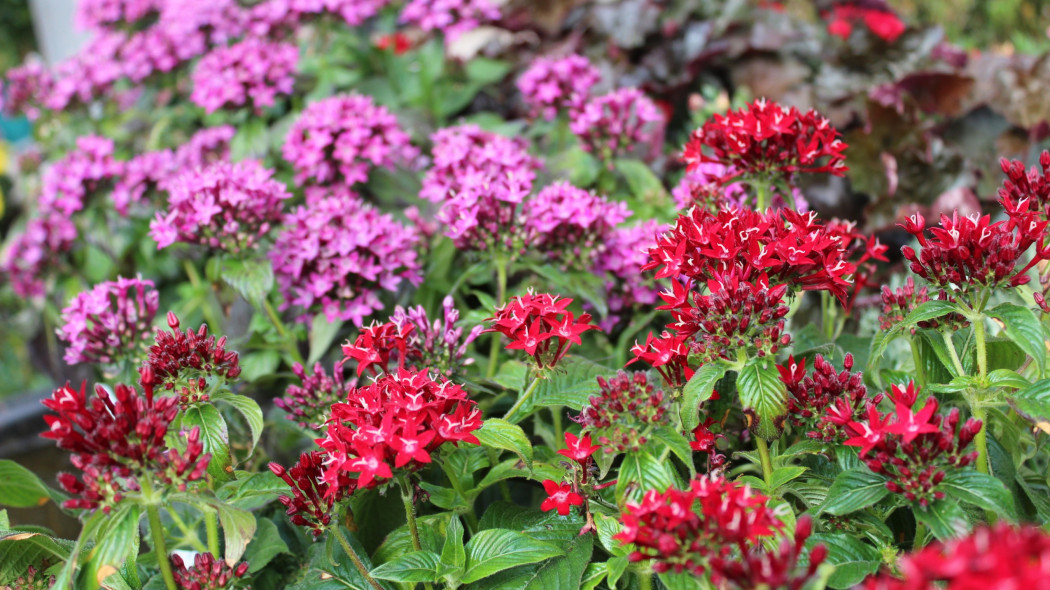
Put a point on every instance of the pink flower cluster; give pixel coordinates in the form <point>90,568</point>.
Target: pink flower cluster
<point>227,206</point>
<point>36,252</point>
<point>613,124</point>
<point>208,573</point>
<point>339,139</point>
<point>115,14</point>
<point>452,17</point>
<point>570,223</point>
<point>83,172</point>
<point>111,322</point>
<point>541,325</point>
<point>554,85</point>
<point>337,252</point>
<point>395,423</point>
<point>413,341</point>
<point>310,403</point>
<point>479,178</point>
<point>116,439</point>
<point>250,73</point>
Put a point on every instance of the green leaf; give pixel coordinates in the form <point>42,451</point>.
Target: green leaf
<point>252,278</point>
<point>853,559</point>
<point>924,312</point>
<point>20,487</point>
<point>248,408</point>
<point>639,472</point>
<point>581,167</point>
<point>328,568</point>
<point>763,396</point>
<point>1033,401</point>
<point>683,581</point>
<point>1021,326</point>
<point>452,553</point>
<point>855,490</point>
<point>979,489</point>
<point>572,386</point>
<point>783,475</point>
<point>944,518</point>
<point>264,546</point>
<point>417,566</point>
<point>1007,378</point>
<point>500,434</point>
<point>214,436</point>
<point>640,178</point>
<point>678,444</point>
<point>698,390</point>
<point>253,490</point>
<point>258,364</point>
<point>494,550</point>
<point>564,573</point>
<point>322,334</point>
<point>487,71</point>
<point>512,375</point>
<point>22,549</point>
<point>238,528</point>
<point>118,539</point>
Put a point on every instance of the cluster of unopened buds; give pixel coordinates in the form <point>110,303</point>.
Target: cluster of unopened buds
<point>310,402</point>
<point>184,362</point>
<point>541,325</point>
<point>820,402</point>
<point>898,303</point>
<point>208,573</point>
<point>35,578</point>
<point>312,499</point>
<point>913,449</point>
<point>626,408</point>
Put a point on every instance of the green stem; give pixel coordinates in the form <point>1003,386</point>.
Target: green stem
<point>767,464</point>
<point>521,400</point>
<point>501,289</point>
<point>982,350</point>
<point>188,536</point>
<point>211,527</point>
<point>919,371</point>
<point>760,197</point>
<point>289,343</point>
<point>981,440</point>
<point>920,532</point>
<point>157,530</point>
<point>951,351</point>
<point>556,422</point>
<point>645,581</point>
<point>410,515</point>
<point>355,558</point>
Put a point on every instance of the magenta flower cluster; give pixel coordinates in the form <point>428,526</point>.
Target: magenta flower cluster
<point>452,17</point>
<point>36,251</point>
<point>251,73</point>
<point>479,178</point>
<point>337,253</point>
<point>223,206</point>
<point>341,138</point>
<point>570,223</point>
<point>611,125</point>
<point>275,17</point>
<point>621,259</point>
<point>114,14</point>
<point>111,322</point>
<point>70,181</point>
<point>553,85</point>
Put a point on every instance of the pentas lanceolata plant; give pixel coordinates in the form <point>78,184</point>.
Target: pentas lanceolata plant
<point>439,277</point>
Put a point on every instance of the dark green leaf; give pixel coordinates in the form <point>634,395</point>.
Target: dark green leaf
<point>853,559</point>
<point>487,71</point>
<point>252,278</point>
<point>945,519</point>
<point>783,475</point>
<point>571,386</point>
<point>452,553</point>
<point>214,436</point>
<point>1033,401</point>
<point>21,550</point>
<point>1021,326</point>
<point>678,444</point>
<point>698,390</point>
<point>639,472</point>
<point>248,409</point>
<point>417,566</point>
<point>20,487</point>
<point>322,334</point>
<point>264,546</point>
<point>763,396</point>
<point>238,528</point>
<point>855,490</point>
<point>979,489</point>
<point>644,184</point>
<point>564,573</point>
<point>494,550</point>
<point>500,434</point>
<point>929,310</point>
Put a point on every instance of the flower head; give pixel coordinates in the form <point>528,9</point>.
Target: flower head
<point>613,124</point>
<point>452,17</point>
<point>208,573</point>
<point>312,499</point>
<point>112,321</point>
<point>223,206</point>
<point>813,398</point>
<point>114,14</point>
<point>337,254</point>
<point>578,449</point>
<point>626,407</point>
<point>780,569</point>
<point>250,73</point>
<point>541,325</point>
<point>880,20</point>
<point>569,223</point>
<point>188,363</point>
<point>310,402</point>
<point>668,354</point>
<point>83,172</point>
<point>338,140</point>
<point>553,85</point>
<point>33,256</point>
<point>560,497</point>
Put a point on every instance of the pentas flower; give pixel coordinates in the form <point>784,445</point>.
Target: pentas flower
<point>452,17</point>
<point>224,206</point>
<point>24,89</point>
<point>1032,185</point>
<point>205,147</point>
<point>1000,557</point>
<point>310,505</point>
<point>560,497</point>
<point>736,315</point>
<point>620,262</point>
<point>83,172</point>
<point>877,17</point>
<point>337,254</point>
<point>309,403</point>
<point>341,138</point>
<point>613,124</point>
<point>913,449</point>
<point>479,178</point>
<point>824,392</point>
<point>114,14</point>
<point>32,256</point>
<point>208,573</point>
<point>969,251</point>
<point>667,353</point>
<point>712,186</point>
<point>110,322</point>
<point>553,85</point>
<point>898,303</point>
<point>250,73</point>
<point>685,530</point>
<point>541,325</point>
<point>570,223</point>
<point>89,75</point>
<point>579,449</point>
<point>115,439</point>
<point>626,408</point>
<point>413,341</point>
<point>188,363</point>
<point>395,423</point>
<point>706,441</point>
<point>144,174</point>
<point>767,141</point>
<point>781,569</point>
<point>35,578</point>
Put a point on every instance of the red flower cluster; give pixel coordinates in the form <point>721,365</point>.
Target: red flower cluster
<point>991,558</point>
<point>823,393</point>
<point>668,354</point>
<point>767,140</point>
<point>879,20</point>
<point>1033,185</point>
<point>705,441</point>
<point>208,573</point>
<point>969,251</point>
<point>911,448</point>
<point>685,530</point>
<point>540,325</point>
<point>395,422</point>
<point>312,499</point>
<point>898,303</point>
<point>310,404</point>
<point>626,408</point>
<point>183,362</point>
<point>115,439</point>
<point>374,347</point>
<point>560,497</point>
<point>758,569</point>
